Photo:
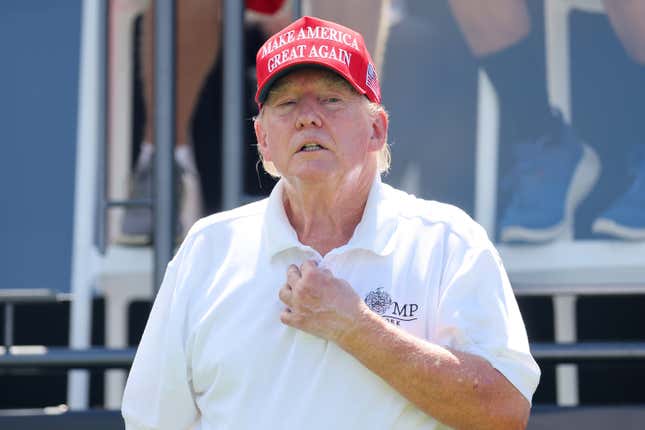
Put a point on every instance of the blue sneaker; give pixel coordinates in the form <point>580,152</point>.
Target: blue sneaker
<point>549,181</point>
<point>625,218</point>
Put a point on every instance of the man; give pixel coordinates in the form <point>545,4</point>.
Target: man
<point>338,302</point>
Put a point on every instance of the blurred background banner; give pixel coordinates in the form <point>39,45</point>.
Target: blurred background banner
<point>39,79</point>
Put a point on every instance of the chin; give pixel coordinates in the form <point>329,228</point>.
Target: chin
<point>313,175</point>
<point>312,171</point>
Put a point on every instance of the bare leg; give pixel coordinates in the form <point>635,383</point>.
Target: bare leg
<point>198,44</point>
<point>492,25</point>
<point>498,33</point>
<point>368,17</point>
<point>627,17</point>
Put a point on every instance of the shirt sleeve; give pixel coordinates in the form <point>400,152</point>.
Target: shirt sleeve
<point>478,314</point>
<point>158,394</point>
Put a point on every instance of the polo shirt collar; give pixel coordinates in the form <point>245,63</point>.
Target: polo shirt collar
<point>376,232</point>
<point>277,232</point>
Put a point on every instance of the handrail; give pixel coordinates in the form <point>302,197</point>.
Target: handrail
<point>11,296</point>
<point>585,351</point>
<point>566,289</point>
<point>57,357</point>
<point>32,295</point>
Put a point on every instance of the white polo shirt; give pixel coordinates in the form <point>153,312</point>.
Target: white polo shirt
<point>214,354</point>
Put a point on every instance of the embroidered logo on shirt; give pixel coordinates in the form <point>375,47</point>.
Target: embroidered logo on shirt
<point>381,302</point>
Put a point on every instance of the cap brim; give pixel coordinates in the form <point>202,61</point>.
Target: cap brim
<point>262,95</point>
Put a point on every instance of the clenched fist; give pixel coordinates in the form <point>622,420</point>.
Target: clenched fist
<point>319,303</point>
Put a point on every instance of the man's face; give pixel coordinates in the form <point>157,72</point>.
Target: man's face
<point>314,127</point>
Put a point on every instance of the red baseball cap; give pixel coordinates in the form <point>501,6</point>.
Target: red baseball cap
<point>314,41</point>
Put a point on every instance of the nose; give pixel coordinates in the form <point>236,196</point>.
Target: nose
<point>307,116</point>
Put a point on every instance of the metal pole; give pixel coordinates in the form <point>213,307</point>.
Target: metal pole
<point>588,351</point>
<point>296,6</point>
<point>586,289</point>
<point>233,87</point>
<point>100,231</point>
<point>44,358</point>
<point>164,119</point>
<point>8,325</point>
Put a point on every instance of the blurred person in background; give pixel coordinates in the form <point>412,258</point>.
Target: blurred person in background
<point>554,169</point>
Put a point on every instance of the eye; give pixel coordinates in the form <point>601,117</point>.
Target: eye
<point>286,102</point>
<point>332,99</point>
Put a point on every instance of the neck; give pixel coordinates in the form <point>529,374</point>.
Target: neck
<point>325,216</point>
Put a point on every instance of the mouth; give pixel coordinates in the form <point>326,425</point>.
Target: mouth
<point>311,147</point>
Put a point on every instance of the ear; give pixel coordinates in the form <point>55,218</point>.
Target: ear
<point>379,125</point>
<point>261,136</point>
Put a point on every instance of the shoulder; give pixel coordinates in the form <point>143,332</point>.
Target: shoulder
<point>450,219</point>
<point>217,237</point>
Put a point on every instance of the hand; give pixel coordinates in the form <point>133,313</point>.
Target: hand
<point>319,303</point>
